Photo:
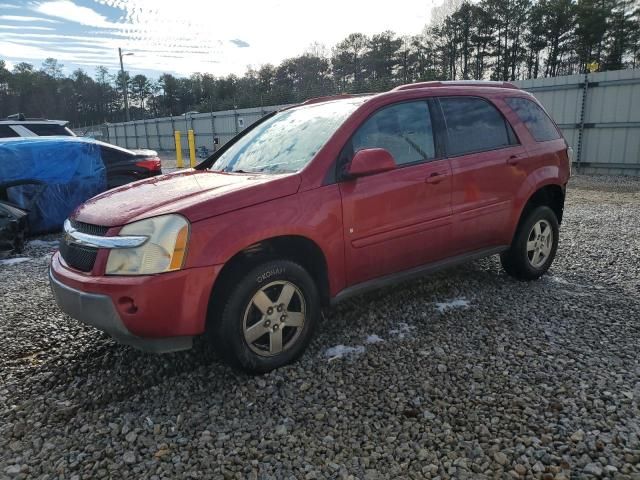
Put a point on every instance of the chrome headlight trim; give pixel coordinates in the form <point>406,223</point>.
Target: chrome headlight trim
<point>74,236</point>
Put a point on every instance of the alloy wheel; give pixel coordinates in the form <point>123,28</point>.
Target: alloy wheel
<point>274,318</point>
<point>539,243</point>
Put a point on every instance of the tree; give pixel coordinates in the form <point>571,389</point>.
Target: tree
<point>140,90</point>
<point>51,67</point>
<point>347,59</point>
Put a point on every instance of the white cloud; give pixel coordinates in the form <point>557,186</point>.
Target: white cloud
<point>22,18</point>
<point>24,27</point>
<point>205,36</point>
<point>71,12</point>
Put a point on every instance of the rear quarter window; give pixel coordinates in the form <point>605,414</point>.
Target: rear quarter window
<point>47,129</point>
<point>7,132</point>
<point>537,121</point>
<point>474,125</point>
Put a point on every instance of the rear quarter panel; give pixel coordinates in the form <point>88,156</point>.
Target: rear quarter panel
<point>546,164</point>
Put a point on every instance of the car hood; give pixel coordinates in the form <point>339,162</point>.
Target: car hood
<point>196,194</point>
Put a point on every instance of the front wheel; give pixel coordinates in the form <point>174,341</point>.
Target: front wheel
<point>269,317</point>
<point>534,245</point>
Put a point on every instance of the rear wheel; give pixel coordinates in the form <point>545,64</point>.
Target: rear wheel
<point>269,317</point>
<point>534,245</point>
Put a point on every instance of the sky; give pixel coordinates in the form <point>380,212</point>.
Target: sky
<point>187,36</point>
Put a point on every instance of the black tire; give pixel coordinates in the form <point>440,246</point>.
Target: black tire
<point>239,308</point>
<point>517,261</point>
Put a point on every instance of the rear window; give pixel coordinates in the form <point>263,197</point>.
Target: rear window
<point>7,132</point>
<point>537,121</point>
<point>47,129</point>
<point>474,125</point>
<point>111,155</point>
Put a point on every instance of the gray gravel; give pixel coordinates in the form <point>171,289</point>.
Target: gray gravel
<point>466,374</point>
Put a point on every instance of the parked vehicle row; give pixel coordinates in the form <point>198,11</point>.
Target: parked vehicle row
<point>20,126</point>
<point>311,205</point>
<point>49,176</point>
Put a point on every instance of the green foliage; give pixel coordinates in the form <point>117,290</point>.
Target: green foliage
<point>489,39</point>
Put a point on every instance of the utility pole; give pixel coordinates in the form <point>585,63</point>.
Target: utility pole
<point>124,85</point>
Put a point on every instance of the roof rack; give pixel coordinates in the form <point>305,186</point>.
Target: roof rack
<point>19,117</point>
<point>455,83</point>
<point>327,98</point>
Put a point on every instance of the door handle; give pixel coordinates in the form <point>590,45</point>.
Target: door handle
<point>514,159</point>
<point>435,177</point>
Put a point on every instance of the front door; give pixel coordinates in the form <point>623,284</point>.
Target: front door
<point>398,219</point>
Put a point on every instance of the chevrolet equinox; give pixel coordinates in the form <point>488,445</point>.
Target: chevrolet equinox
<point>310,205</point>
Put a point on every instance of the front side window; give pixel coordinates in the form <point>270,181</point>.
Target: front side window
<point>404,130</point>
<point>473,125</point>
<point>538,123</point>
<point>289,140</point>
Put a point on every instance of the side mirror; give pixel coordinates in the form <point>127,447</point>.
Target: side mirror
<point>370,161</point>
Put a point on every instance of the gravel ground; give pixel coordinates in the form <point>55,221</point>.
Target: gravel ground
<point>466,374</point>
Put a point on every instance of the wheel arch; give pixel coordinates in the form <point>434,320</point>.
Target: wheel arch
<point>551,195</point>
<point>297,248</point>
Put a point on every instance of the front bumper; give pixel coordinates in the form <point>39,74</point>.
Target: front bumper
<point>98,311</point>
<point>155,313</point>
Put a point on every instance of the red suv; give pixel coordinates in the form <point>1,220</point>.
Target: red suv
<point>311,205</point>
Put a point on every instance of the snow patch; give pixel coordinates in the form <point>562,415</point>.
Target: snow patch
<point>559,280</point>
<point>373,339</point>
<point>44,243</point>
<point>451,304</point>
<point>341,351</point>
<point>402,331</point>
<point>13,261</point>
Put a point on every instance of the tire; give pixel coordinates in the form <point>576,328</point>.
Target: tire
<point>532,251</point>
<point>268,318</point>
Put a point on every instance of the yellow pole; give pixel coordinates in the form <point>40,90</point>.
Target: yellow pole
<point>192,147</point>
<point>179,162</point>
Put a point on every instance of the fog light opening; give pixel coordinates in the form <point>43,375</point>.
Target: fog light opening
<point>127,304</point>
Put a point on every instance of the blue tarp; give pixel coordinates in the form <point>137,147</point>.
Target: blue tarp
<point>71,169</point>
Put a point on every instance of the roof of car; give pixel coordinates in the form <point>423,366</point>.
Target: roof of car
<point>32,121</point>
<point>466,84</point>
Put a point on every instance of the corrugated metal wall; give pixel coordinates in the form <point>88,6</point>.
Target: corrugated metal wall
<point>600,119</point>
<point>158,133</point>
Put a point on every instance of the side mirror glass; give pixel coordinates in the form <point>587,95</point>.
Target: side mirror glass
<point>370,161</point>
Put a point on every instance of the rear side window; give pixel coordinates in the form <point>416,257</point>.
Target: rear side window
<point>474,125</point>
<point>537,121</point>
<point>404,130</point>
<point>47,129</point>
<point>7,132</point>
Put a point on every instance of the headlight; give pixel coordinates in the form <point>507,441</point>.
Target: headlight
<point>164,251</point>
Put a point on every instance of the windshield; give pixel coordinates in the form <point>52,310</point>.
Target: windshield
<point>289,140</point>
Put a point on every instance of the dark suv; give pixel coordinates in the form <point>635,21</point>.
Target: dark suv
<point>313,204</point>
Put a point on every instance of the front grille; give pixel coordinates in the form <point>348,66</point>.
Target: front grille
<point>78,256</point>
<point>89,228</point>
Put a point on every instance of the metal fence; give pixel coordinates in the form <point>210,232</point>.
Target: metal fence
<point>211,130</point>
<point>598,113</point>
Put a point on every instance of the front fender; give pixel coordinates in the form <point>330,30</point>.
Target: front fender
<point>314,214</point>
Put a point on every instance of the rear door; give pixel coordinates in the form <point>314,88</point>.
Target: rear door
<point>398,219</point>
<point>483,151</point>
